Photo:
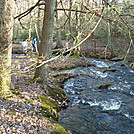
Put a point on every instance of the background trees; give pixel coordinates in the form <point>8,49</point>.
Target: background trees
<point>77,22</point>
<point>79,17</point>
<point>74,21</point>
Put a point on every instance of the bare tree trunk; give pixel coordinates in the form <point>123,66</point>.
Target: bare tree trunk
<point>30,29</point>
<point>38,38</point>
<point>38,28</point>
<point>6,30</point>
<point>58,33</point>
<point>46,40</point>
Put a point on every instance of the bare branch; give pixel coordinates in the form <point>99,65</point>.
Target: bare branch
<point>27,11</point>
<point>127,15</point>
<point>128,26</point>
<point>77,45</point>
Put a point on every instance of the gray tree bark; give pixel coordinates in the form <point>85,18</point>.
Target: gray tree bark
<point>46,40</point>
<point>58,32</point>
<point>6,30</point>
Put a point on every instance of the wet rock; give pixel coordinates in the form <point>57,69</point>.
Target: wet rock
<point>131,65</point>
<point>104,86</point>
<point>117,59</point>
<point>110,69</point>
<point>64,104</point>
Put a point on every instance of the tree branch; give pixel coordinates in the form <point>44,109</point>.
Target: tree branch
<point>128,26</point>
<point>27,11</point>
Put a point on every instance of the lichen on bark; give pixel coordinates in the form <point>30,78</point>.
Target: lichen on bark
<point>6,28</point>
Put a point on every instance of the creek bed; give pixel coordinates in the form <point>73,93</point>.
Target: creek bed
<point>95,110</point>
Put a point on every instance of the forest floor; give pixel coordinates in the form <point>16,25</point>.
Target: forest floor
<point>17,115</point>
<point>23,113</point>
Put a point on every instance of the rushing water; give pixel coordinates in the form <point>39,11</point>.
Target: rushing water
<point>18,54</point>
<point>100,111</point>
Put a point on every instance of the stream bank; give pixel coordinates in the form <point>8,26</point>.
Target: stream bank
<point>31,97</point>
<point>33,109</point>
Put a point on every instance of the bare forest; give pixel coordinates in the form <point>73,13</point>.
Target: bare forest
<point>40,40</point>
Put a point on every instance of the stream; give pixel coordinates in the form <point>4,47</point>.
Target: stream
<point>96,110</point>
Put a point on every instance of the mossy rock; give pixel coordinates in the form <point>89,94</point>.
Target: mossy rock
<point>29,100</point>
<point>110,69</point>
<point>50,107</point>
<point>56,93</point>
<point>16,91</point>
<point>132,65</point>
<point>51,114</point>
<point>11,112</point>
<point>48,102</point>
<point>104,86</point>
<point>57,129</point>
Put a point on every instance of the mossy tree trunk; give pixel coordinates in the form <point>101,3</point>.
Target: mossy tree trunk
<point>46,40</point>
<point>6,30</point>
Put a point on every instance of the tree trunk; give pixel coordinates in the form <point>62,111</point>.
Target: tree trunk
<point>58,32</point>
<point>38,28</point>
<point>46,40</point>
<point>6,30</point>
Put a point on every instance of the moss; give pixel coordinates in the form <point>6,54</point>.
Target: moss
<point>56,93</point>
<point>16,91</point>
<point>5,91</point>
<point>57,129</point>
<point>48,102</point>
<point>50,107</point>
<point>132,65</point>
<point>11,86</point>
<point>28,100</point>
<point>11,112</point>
<point>54,127</point>
<point>6,94</point>
<point>51,115</point>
